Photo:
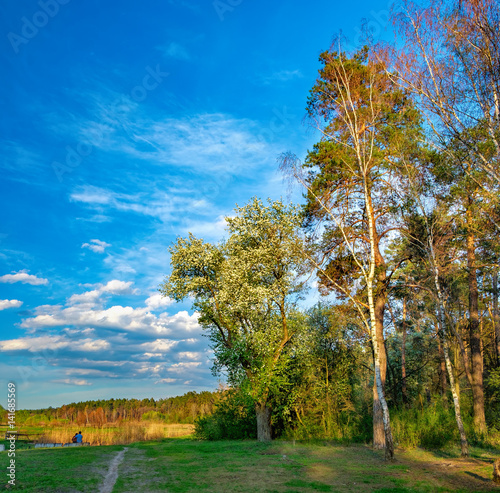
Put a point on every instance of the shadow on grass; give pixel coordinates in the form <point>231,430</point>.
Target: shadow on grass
<point>477,476</point>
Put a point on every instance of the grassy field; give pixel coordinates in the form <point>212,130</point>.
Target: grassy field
<point>187,465</point>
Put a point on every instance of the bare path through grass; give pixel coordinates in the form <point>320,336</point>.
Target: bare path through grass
<point>112,475</point>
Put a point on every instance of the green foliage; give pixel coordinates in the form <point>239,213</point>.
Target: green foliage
<point>420,364</point>
<point>153,416</point>
<point>324,376</point>
<point>492,394</point>
<point>234,418</point>
<point>245,290</point>
<point>425,425</point>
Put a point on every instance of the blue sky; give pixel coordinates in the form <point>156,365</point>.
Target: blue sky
<point>124,125</point>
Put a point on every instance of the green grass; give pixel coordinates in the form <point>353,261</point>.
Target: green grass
<point>59,470</point>
<point>190,466</point>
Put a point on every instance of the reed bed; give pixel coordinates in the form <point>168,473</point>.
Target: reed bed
<point>118,435</point>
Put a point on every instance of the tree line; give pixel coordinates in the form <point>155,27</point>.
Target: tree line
<point>399,230</point>
<point>181,409</point>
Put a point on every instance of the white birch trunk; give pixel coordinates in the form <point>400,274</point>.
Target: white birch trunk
<point>389,445</point>
<point>442,325</point>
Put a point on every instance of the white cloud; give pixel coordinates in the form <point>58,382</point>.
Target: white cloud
<point>74,381</point>
<point>5,304</point>
<point>189,355</point>
<point>111,340</point>
<point>92,345</point>
<point>96,246</point>
<point>94,195</point>
<point>166,380</point>
<point>167,205</point>
<point>182,367</point>
<point>36,344</point>
<point>24,277</point>
<point>125,318</point>
<point>89,298</point>
<point>159,345</point>
<point>118,287</point>
<point>93,297</point>
<point>158,301</point>
<point>206,142</point>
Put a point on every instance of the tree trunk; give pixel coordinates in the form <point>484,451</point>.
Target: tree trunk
<point>263,412</point>
<point>456,402</point>
<point>496,314</point>
<point>442,325</point>
<point>379,433</point>
<point>376,303</point>
<point>474,332</point>
<point>403,358</point>
<point>380,409</point>
<point>442,367</point>
<point>378,421</point>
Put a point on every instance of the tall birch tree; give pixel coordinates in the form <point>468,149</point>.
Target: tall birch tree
<point>448,57</point>
<point>365,121</point>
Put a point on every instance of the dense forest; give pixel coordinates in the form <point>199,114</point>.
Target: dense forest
<point>399,230</point>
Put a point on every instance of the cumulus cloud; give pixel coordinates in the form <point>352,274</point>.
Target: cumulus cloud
<point>93,297</point>
<point>5,304</point>
<point>118,287</point>
<point>181,367</point>
<point>53,342</point>
<point>189,355</point>
<point>96,246</point>
<point>158,301</point>
<point>24,277</point>
<point>159,345</point>
<point>90,338</point>
<point>87,311</point>
<point>124,318</point>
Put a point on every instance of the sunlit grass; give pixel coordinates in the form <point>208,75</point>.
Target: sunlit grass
<point>190,466</point>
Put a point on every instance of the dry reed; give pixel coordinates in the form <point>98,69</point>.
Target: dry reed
<point>119,435</point>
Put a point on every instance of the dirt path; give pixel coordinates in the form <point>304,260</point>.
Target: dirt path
<point>112,476</point>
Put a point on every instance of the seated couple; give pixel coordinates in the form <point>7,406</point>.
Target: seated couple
<point>77,438</point>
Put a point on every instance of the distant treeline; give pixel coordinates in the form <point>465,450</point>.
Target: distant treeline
<point>181,409</point>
